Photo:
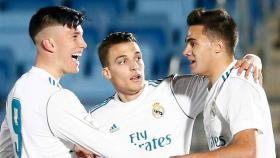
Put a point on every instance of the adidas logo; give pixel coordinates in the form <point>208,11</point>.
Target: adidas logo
<point>113,128</point>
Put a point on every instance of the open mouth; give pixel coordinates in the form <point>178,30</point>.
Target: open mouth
<point>135,77</point>
<point>76,56</point>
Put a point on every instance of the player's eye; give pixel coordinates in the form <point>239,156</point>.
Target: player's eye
<point>121,61</point>
<point>139,57</point>
<point>192,44</point>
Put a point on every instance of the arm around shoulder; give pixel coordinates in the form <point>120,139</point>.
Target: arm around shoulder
<point>69,121</point>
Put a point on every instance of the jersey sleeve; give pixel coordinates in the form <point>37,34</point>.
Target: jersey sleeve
<point>190,92</point>
<point>69,121</point>
<point>244,105</point>
<point>6,145</point>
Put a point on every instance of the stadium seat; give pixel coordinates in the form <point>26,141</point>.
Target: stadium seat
<point>208,4</point>
<point>256,17</point>
<point>18,5</point>
<point>7,71</point>
<point>114,7</point>
<point>175,10</point>
<point>23,49</point>
<point>153,31</point>
<point>15,21</point>
<point>2,113</point>
<point>14,34</point>
<point>101,11</point>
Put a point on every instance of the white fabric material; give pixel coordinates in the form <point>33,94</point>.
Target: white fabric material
<point>235,104</point>
<point>6,146</point>
<point>160,120</point>
<point>69,121</point>
<point>43,121</point>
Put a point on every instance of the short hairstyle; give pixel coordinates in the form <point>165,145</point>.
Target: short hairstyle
<point>109,41</point>
<point>54,15</point>
<point>217,24</point>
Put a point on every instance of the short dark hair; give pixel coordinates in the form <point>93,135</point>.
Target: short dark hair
<point>109,41</point>
<point>54,15</point>
<point>217,23</point>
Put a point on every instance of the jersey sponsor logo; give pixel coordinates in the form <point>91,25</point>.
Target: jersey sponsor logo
<point>158,110</point>
<point>142,140</point>
<point>114,128</point>
<point>217,142</point>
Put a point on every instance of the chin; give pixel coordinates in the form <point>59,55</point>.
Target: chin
<point>139,86</point>
<point>73,71</point>
<point>193,72</point>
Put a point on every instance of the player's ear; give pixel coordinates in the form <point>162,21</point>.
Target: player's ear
<point>219,46</point>
<point>106,73</point>
<point>48,44</point>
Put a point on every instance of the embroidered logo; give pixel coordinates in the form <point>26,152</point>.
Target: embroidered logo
<point>114,128</point>
<point>213,109</point>
<point>158,110</point>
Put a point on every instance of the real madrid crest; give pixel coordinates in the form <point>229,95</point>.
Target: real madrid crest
<point>213,109</point>
<point>158,110</point>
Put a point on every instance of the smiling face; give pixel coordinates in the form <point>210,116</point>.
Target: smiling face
<point>61,47</point>
<point>125,68</point>
<point>199,51</point>
<point>70,45</point>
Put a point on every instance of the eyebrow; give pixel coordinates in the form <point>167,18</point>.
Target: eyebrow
<point>138,52</point>
<point>122,56</point>
<point>187,39</point>
<point>77,33</point>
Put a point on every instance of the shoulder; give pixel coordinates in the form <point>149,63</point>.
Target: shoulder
<point>240,88</point>
<point>188,80</point>
<point>61,101</point>
<point>62,97</point>
<point>29,85</point>
<point>157,82</point>
<point>235,81</point>
<point>102,104</point>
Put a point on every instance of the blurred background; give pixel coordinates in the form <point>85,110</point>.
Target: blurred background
<point>160,27</point>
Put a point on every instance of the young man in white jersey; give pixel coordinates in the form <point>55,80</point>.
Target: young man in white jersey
<point>43,120</point>
<point>237,119</point>
<point>155,116</point>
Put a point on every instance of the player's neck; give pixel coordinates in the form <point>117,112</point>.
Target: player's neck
<point>40,63</point>
<point>221,66</point>
<point>127,97</point>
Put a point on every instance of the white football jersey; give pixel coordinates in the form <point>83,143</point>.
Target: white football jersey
<point>160,121</point>
<point>233,104</point>
<point>6,145</point>
<point>44,120</point>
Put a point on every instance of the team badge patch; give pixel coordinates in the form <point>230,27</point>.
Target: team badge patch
<point>213,109</point>
<point>158,110</point>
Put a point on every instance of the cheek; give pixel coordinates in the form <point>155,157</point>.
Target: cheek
<point>119,72</point>
<point>141,65</point>
<point>119,79</point>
